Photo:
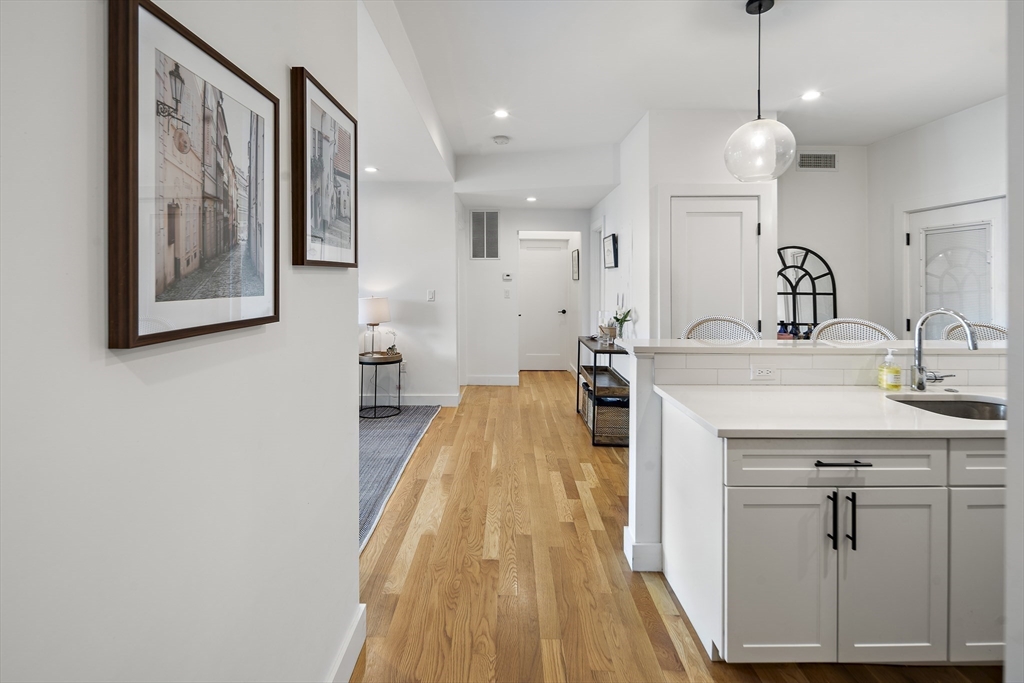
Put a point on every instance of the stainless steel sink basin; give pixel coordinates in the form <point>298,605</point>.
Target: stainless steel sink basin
<point>971,408</point>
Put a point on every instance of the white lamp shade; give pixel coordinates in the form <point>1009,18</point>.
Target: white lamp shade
<point>374,310</point>
<point>760,150</point>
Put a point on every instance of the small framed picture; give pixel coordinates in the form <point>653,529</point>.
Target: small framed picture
<point>575,264</point>
<point>324,230</point>
<point>193,185</point>
<point>611,251</point>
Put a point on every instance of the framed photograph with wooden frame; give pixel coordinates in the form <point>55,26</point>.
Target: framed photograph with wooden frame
<point>575,264</point>
<point>611,251</point>
<point>193,190</point>
<point>324,226</point>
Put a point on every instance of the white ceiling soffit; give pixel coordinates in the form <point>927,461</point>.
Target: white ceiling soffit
<point>583,73</point>
<point>578,197</point>
<point>392,134</point>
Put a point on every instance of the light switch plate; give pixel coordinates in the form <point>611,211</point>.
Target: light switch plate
<point>430,295</point>
<point>508,293</point>
<point>762,373</point>
<point>507,277</point>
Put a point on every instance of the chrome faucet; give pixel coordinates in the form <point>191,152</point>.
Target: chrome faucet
<point>920,375</point>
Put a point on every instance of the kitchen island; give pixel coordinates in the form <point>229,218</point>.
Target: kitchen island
<point>833,523</point>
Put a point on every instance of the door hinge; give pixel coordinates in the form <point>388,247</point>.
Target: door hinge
<point>908,324</point>
<point>908,239</point>
<point>759,229</point>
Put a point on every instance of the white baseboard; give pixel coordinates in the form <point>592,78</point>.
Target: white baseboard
<point>493,380</point>
<point>351,646</point>
<point>642,557</point>
<point>446,400</point>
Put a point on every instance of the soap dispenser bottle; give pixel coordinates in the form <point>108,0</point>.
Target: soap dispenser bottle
<point>890,377</point>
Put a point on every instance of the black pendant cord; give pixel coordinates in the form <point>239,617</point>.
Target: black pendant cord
<point>760,12</point>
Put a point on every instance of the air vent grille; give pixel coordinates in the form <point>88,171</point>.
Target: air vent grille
<point>816,161</point>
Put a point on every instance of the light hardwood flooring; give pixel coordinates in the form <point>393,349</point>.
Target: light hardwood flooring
<point>499,558</point>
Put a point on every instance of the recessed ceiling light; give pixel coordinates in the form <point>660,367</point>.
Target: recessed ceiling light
<point>501,114</point>
<point>531,199</point>
<point>370,169</point>
<point>810,95</point>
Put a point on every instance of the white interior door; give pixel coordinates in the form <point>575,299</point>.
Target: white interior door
<point>780,590</point>
<point>715,267</point>
<point>957,258</point>
<point>543,304</point>
<point>892,587</point>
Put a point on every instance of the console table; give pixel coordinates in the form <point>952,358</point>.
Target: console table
<point>605,383</point>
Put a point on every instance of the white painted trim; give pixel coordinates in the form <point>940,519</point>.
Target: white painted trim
<point>493,380</point>
<point>563,235</point>
<point>444,400</point>
<point>642,557</point>
<point>345,661</point>
<point>900,252</point>
<point>661,258</point>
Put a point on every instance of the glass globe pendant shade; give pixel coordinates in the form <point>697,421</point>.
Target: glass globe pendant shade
<point>760,150</point>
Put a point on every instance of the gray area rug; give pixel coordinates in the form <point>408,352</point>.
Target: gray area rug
<point>385,446</point>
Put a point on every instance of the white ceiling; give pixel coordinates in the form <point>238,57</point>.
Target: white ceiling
<point>583,72</point>
<point>392,136</point>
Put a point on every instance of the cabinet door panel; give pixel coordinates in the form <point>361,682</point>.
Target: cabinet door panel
<point>976,608</point>
<point>780,576</point>
<point>892,588</point>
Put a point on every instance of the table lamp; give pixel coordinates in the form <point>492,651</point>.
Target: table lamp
<point>373,311</point>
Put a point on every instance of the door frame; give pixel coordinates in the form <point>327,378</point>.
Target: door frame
<point>661,257</point>
<point>577,291</point>
<point>901,252</point>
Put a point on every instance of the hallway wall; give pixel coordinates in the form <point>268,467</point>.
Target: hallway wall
<point>186,511</point>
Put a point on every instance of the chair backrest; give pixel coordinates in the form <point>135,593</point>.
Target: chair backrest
<point>851,330</point>
<point>720,327</point>
<point>982,332</point>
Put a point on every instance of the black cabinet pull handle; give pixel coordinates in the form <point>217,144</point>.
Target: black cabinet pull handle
<point>834,496</point>
<point>855,463</point>
<point>853,520</point>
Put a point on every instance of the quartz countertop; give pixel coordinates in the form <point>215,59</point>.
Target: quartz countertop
<point>825,412</point>
<point>650,346</point>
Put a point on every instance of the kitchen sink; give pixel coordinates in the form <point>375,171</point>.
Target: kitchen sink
<point>971,408</point>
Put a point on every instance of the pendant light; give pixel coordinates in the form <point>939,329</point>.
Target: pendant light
<point>764,148</point>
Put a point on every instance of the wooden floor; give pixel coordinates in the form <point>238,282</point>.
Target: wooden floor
<point>499,558</point>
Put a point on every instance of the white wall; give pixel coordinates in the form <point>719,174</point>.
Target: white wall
<point>957,158</point>
<point>185,511</point>
<point>489,327</point>
<point>1014,666</point>
<point>827,211</point>
<point>406,247</point>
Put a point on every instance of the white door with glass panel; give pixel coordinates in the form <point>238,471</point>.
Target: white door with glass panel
<point>543,304</point>
<point>957,259</point>
<point>715,265</point>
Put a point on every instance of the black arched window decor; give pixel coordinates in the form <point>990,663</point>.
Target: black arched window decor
<point>807,288</point>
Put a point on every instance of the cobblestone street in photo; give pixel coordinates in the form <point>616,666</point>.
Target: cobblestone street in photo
<point>228,275</point>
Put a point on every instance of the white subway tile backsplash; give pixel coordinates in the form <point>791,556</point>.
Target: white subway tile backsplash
<point>989,378</point>
<point>860,377</point>
<point>718,360</point>
<point>813,376</point>
<point>962,362</point>
<point>782,360</point>
<point>859,362</point>
<point>669,360</point>
<point>684,376</point>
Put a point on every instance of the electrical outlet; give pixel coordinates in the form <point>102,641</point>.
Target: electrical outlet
<point>762,372</point>
<point>402,367</point>
<point>508,293</point>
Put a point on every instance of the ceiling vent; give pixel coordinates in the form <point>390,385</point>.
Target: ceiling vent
<point>500,139</point>
<point>816,161</point>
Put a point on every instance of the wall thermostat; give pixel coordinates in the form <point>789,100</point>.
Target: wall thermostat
<point>506,276</point>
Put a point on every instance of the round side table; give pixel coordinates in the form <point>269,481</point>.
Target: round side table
<point>375,361</point>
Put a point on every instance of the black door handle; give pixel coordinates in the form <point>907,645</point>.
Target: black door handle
<point>853,520</point>
<point>561,311</point>
<point>834,496</point>
<point>855,463</point>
